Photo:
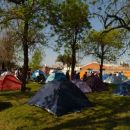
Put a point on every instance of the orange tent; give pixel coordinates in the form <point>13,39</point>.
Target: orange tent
<point>9,82</point>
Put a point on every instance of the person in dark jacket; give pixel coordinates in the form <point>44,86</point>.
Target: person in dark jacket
<point>68,75</point>
<point>78,75</point>
<point>85,76</point>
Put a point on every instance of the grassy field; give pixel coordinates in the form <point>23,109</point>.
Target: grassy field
<point>109,113</point>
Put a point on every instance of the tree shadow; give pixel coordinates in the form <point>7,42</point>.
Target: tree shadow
<point>103,118</point>
<point>17,94</point>
<point>89,124</point>
<point>5,105</point>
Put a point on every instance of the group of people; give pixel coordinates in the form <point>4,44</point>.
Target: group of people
<point>76,75</point>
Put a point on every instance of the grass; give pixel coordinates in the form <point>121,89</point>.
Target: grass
<point>109,113</point>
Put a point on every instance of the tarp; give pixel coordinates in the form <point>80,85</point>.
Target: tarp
<point>60,97</point>
<point>9,82</point>
<point>84,87</point>
<point>56,75</point>
<point>96,84</point>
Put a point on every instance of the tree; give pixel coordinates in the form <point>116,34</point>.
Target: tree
<point>7,49</point>
<point>61,58</point>
<point>28,19</point>
<point>99,12</point>
<point>65,59</point>
<point>104,46</point>
<point>36,59</point>
<point>70,22</point>
<point>114,14</point>
<point>118,14</point>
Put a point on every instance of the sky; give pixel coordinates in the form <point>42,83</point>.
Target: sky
<point>51,58</point>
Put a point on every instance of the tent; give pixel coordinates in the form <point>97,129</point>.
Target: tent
<point>39,76</point>
<point>123,89</point>
<point>9,82</point>
<point>60,97</point>
<point>115,79</point>
<point>56,75</point>
<point>105,76</point>
<point>84,87</point>
<point>96,84</point>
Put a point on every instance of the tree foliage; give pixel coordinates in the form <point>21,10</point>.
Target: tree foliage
<point>7,45</point>
<point>117,12</point>
<point>65,59</point>
<point>37,57</point>
<point>112,42</point>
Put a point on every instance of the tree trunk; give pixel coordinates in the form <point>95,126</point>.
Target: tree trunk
<point>73,60</point>
<point>102,60</point>
<point>73,47</point>
<point>25,50</point>
<point>3,65</point>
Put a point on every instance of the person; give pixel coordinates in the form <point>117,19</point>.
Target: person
<point>68,75</point>
<point>78,75</point>
<point>85,76</point>
<point>18,74</point>
<point>74,75</point>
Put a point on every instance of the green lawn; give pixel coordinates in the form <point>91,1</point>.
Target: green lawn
<point>109,113</point>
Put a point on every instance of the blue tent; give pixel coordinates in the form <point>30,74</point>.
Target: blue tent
<point>123,89</point>
<point>115,78</point>
<point>56,75</point>
<point>105,76</point>
<point>60,97</point>
<point>38,76</point>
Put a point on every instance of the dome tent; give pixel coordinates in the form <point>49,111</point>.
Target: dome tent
<point>9,82</point>
<point>60,97</point>
<point>115,78</point>
<point>123,89</point>
<point>38,76</point>
<point>84,87</point>
<point>56,75</point>
<point>96,84</point>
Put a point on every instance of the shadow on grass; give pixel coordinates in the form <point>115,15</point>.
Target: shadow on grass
<point>5,105</point>
<point>108,113</point>
<point>14,94</point>
<point>104,118</point>
<point>17,94</point>
<point>89,124</point>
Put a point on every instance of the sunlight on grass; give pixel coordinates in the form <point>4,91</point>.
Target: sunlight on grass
<point>108,113</point>
<point>121,128</point>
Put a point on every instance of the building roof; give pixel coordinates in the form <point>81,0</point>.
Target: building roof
<point>109,68</point>
<point>94,66</point>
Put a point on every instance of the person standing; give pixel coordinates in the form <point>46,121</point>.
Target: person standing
<point>68,75</point>
<point>78,75</point>
<point>85,76</point>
